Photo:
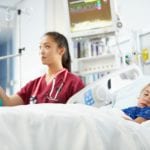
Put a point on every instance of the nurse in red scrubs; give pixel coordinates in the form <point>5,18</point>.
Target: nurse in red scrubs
<point>55,86</point>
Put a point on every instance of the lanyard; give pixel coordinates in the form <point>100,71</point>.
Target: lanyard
<point>33,99</point>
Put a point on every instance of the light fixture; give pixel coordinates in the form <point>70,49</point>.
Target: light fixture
<point>8,15</point>
<point>9,12</point>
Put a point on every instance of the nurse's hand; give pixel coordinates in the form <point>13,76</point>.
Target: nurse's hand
<point>2,92</point>
<point>10,100</point>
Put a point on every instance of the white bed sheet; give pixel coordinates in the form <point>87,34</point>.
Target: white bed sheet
<point>69,127</point>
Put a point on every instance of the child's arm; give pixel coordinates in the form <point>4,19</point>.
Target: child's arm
<point>137,120</point>
<point>140,120</point>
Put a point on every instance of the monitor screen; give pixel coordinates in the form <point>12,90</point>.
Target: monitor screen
<point>89,14</point>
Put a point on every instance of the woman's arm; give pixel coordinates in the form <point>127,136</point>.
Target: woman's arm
<point>10,100</point>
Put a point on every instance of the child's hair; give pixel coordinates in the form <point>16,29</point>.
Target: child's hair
<point>145,87</point>
<point>61,41</point>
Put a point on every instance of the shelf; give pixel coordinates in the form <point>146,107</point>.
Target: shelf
<point>101,63</point>
<point>92,58</point>
<point>103,31</point>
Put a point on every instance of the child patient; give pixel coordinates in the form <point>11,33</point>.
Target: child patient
<point>141,112</point>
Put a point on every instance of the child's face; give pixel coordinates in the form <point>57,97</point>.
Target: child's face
<point>144,99</point>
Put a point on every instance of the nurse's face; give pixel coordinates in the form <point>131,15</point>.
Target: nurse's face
<point>144,99</point>
<point>50,53</point>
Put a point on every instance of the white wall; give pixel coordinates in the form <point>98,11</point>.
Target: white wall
<point>32,27</point>
<point>58,15</point>
<point>134,13</point>
<point>58,18</point>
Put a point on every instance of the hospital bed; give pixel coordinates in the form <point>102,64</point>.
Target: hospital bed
<point>78,125</point>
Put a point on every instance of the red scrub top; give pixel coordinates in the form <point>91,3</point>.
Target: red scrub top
<point>71,85</point>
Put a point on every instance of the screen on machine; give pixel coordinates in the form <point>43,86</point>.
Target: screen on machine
<point>89,14</point>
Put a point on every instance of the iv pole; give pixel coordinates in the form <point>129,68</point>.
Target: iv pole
<point>20,49</point>
<point>19,54</point>
<point>11,56</point>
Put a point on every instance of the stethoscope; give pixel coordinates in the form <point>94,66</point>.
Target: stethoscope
<point>33,99</point>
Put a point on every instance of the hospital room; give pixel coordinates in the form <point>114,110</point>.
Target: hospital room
<point>74,75</point>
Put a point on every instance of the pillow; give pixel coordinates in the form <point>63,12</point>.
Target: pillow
<point>127,96</point>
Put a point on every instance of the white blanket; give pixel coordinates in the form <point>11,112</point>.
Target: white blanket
<point>69,127</point>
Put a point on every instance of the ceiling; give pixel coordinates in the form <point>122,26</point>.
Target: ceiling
<point>10,3</point>
<point>8,9</point>
<point>7,13</point>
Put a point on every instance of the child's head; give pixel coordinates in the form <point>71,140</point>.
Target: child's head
<point>144,98</point>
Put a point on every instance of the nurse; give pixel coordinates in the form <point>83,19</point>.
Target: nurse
<point>55,86</point>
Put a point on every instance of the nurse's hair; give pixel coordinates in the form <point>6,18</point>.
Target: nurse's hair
<point>62,42</point>
<point>145,87</point>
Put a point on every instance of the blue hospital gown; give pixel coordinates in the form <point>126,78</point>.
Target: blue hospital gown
<point>135,112</point>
